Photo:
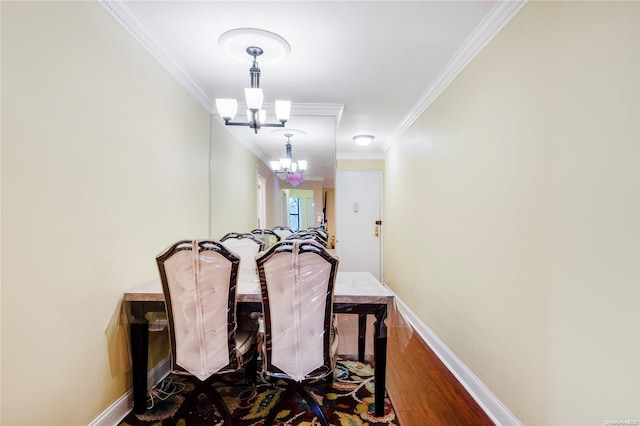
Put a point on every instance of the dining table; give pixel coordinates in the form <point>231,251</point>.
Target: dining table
<point>358,293</point>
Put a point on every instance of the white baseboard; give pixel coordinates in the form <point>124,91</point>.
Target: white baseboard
<point>114,414</point>
<point>478,391</point>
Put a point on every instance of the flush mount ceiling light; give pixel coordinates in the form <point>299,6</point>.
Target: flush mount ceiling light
<point>291,171</point>
<point>363,140</point>
<point>276,48</point>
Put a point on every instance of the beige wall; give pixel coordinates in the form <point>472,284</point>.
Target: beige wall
<point>343,164</point>
<point>234,172</point>
<point>518,193</point>
<point>104,163</point>
<point>272,199</point>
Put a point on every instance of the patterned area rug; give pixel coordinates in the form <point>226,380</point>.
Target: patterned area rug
<point>346,402</point>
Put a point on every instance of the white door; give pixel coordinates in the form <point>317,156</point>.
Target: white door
<point>359,220</point>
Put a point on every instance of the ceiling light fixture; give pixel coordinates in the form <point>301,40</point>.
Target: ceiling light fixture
<point>256,116</point>
<point>292,171</point>
<point>363,140</point>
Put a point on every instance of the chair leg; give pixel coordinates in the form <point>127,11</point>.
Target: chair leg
<point>188,402</point>
<point>291,389</point>
<point>217,401</point>
<point>251,369</point>
<point>288,392</point>
<point>313,404</point>
<point>211,393</point>
<point>328,380</point>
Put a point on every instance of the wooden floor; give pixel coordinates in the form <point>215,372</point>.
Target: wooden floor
<point>423,391</point>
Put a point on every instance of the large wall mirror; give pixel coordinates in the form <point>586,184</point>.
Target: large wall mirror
<point>313,140</point>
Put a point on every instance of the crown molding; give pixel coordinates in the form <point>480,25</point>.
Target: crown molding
<point>135,26</point>
<point>328,110</point>
<point>360,156</point>
<point>499,16</point>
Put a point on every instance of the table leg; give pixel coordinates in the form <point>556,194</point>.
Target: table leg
<point>380,359</point>
<point>139,335</point>
<point>362,335</point>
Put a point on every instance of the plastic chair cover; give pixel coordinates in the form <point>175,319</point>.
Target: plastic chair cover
<point>200,286</point>
<point>297,279</point>
<point>282,232</point>
<point>246,249</point>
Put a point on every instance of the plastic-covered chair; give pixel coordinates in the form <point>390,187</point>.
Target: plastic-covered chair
<point>199,283</point>
<point>298,329</point>
<point>247,246</point>
<point>282,231</point>
<point>308,235</point>
<point>320,230</point>
<point>267,236</point>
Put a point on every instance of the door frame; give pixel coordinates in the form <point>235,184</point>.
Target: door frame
<point>380,180</point>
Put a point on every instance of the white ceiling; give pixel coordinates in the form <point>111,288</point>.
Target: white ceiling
<point>355,67</point>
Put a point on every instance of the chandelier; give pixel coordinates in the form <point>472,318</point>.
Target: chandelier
<point>292,171</point>
<point>256,116</point>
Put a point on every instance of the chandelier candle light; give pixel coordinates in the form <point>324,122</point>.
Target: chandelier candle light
<point>292,171</point>
<point>256,116</point>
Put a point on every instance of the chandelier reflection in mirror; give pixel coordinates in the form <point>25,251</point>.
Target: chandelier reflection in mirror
<point>292,171</point>
<point>256,116</point>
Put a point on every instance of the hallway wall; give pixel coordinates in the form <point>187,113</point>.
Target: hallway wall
<point>512,210</point>
<point>234,172</point>
<point>104,164</point>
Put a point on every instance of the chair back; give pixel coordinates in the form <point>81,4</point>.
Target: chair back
<point>308,235</point>
<point>296,280</point>
<point>267,236</point>
<point>199,284</point>
<point>320,230</point>
<point>247,246</point>
<point>282,231</point>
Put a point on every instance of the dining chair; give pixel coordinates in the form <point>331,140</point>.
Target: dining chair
<point>247,246</point>
<point>298,331</point>
<point>267,236</point>
<point>308,235</point>
<point>320,230</point>
<point>199,284</point>
<point>282,231</point>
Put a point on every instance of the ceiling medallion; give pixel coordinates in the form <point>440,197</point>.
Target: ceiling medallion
<point>235,43</point>
<point>288,131</point>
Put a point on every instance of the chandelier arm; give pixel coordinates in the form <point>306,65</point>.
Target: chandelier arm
<point>254,126</point>
<point>236,123</point>
<point>281,124</point>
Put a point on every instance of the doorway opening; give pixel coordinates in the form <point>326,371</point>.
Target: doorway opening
<point>299,208</point>
<point>294,213</point>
